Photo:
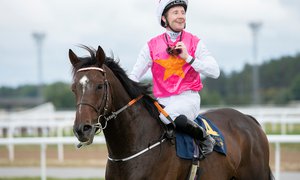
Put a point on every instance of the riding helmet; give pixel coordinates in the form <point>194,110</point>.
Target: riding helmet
<point>165,5</point>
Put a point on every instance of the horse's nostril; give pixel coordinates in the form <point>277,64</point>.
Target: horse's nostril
<point>82,130</point>
<point>87,128</point>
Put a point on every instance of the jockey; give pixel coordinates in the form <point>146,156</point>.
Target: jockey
<point>176,59</point>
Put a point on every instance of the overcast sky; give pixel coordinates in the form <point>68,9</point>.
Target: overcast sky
<point>124,26</point>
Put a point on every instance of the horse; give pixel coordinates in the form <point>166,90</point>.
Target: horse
<point>107,100</point>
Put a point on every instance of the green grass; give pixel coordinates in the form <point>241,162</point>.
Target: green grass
<point>276,129</point>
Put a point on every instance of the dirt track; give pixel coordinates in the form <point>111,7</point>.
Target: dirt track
<point>96,155</point>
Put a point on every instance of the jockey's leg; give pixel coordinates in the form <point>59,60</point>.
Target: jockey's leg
<point>182,109</point>
<point>193,129</point>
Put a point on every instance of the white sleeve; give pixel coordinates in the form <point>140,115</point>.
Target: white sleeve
<point>143,63</point>
<point>204,62</point>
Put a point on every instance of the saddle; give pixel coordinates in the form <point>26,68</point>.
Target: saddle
<point>190,149</point>
<point>187,147</point>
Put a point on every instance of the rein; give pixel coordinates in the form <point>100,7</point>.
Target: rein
<point>113,115</point>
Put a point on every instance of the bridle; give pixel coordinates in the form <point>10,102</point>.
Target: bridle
<point>104,100</point>
<point>113,115</point>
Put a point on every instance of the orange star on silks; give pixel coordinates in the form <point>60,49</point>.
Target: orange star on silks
<point>173,66</point>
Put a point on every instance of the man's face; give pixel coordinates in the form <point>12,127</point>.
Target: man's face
<point>176,18</point>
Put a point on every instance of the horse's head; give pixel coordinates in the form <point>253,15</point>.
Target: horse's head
<point>90,87</point>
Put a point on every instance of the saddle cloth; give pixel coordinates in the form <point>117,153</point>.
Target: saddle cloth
<point>185,146</point>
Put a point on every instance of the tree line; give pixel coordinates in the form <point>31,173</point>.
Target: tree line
<point>279,84</point>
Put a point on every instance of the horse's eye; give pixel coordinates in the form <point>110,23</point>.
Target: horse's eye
<point>99,86</point>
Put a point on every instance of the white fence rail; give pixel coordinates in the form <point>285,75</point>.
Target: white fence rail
<point>45,121</point>
<point>285,116</point>
<point>44,141</point>
<point>278,139</point>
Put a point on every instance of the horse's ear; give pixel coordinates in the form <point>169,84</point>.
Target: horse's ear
<point>100,56</point>
<point>73,58</point>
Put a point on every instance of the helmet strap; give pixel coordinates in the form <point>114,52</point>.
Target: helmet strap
<point>166,24</point>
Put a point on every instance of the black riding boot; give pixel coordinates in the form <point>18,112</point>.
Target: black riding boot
<point>193,129</point>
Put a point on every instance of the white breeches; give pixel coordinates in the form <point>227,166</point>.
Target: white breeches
<point>186,103</point>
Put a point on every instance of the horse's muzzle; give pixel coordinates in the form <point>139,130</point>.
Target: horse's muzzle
<point>84,133</point>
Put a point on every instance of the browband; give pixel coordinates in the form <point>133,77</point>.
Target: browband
<point>90,68</point>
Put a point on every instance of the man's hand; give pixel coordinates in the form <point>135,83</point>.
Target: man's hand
<point>184,54</point>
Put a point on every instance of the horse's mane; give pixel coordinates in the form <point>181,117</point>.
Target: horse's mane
<point>134,89</point>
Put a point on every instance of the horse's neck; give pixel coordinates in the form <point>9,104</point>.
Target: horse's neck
<point>133,129</point>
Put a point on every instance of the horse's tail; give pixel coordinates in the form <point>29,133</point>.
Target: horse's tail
<point>271,177</point>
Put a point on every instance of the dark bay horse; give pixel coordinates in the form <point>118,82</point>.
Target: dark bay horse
<point>108,100</point>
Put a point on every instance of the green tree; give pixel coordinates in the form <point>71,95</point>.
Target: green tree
<point>60,95</point>
<point>295,89</point>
